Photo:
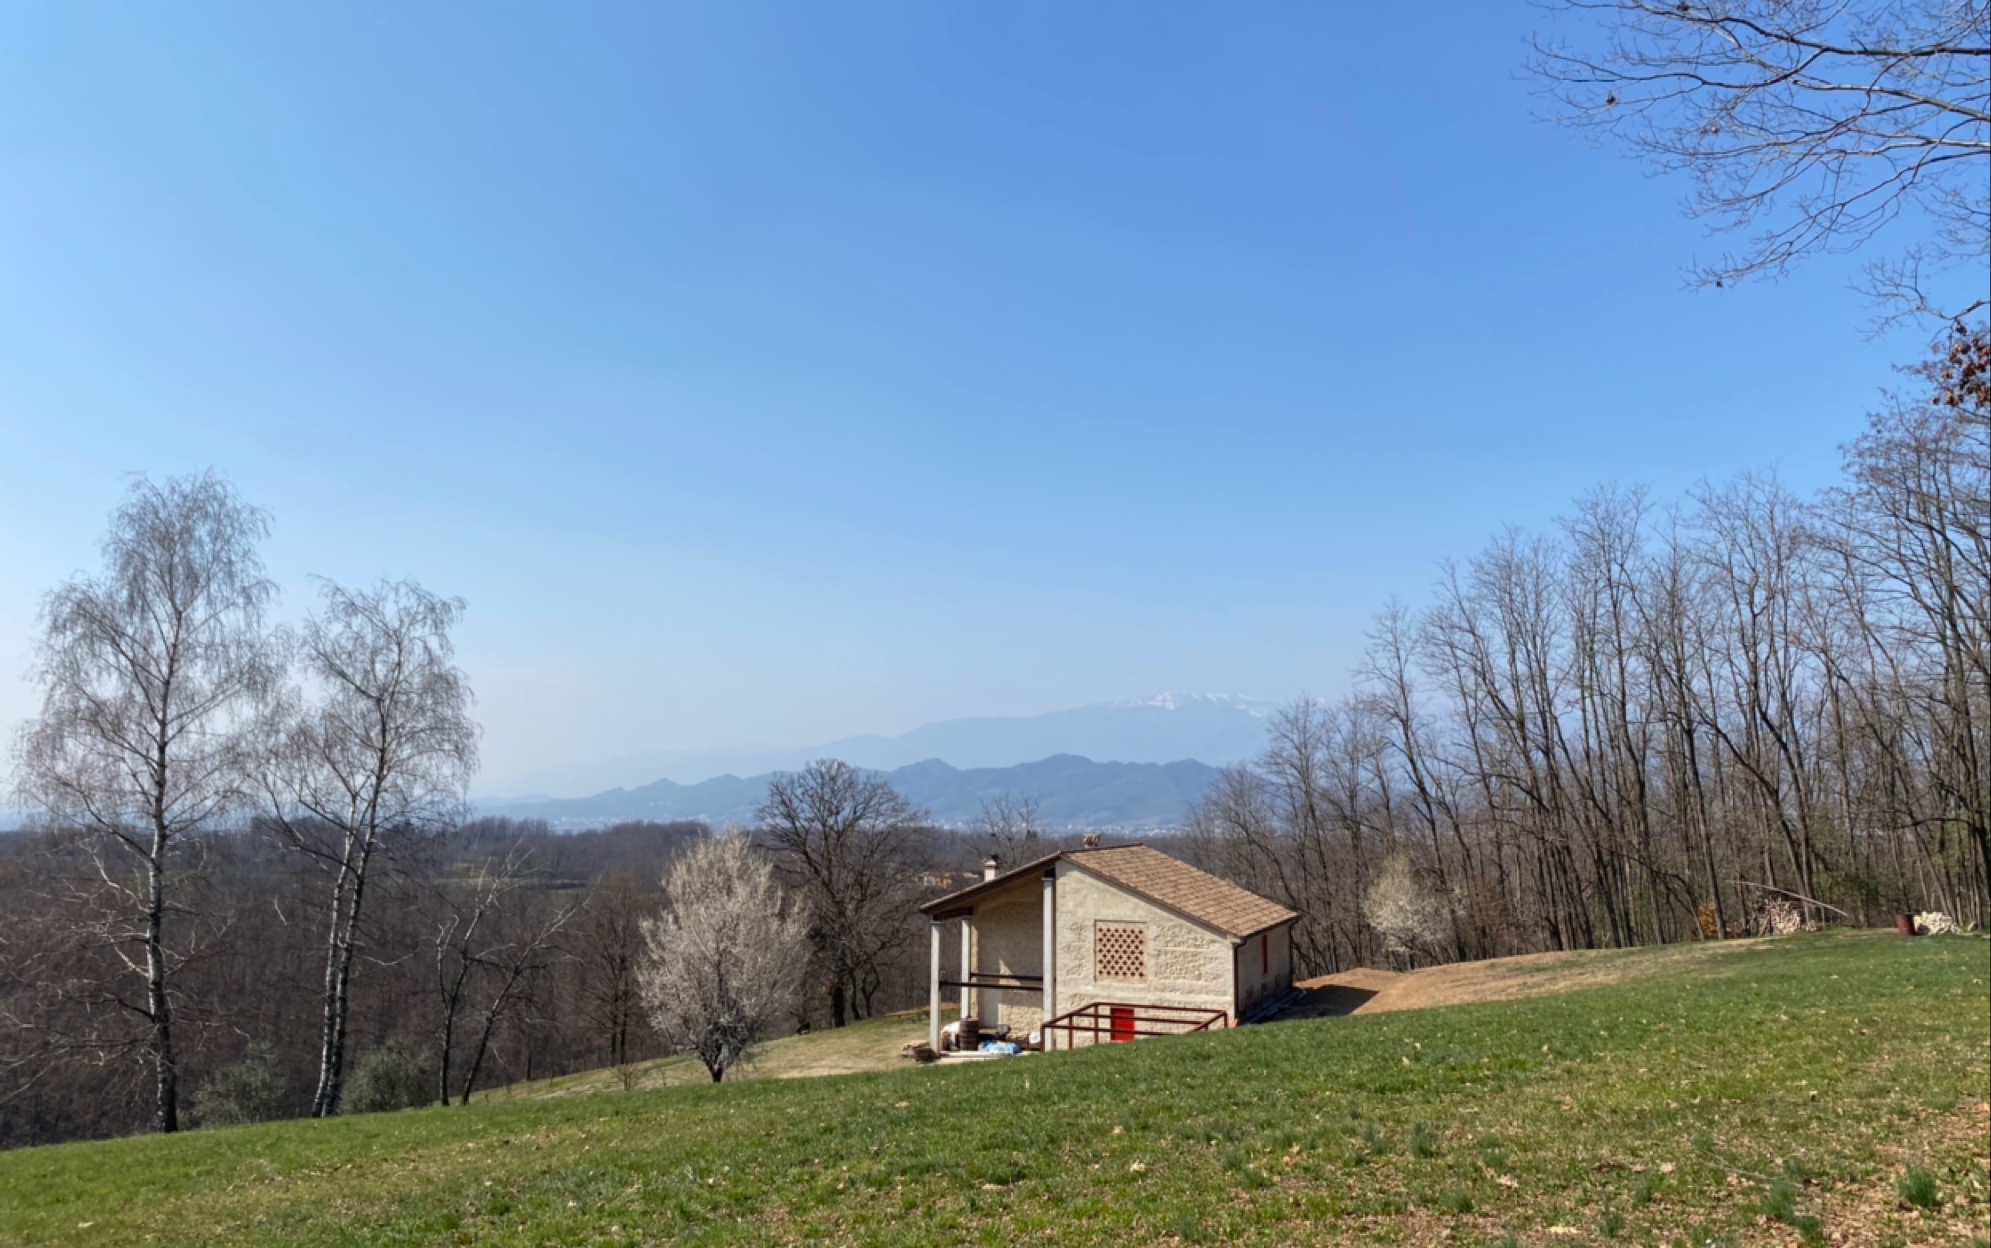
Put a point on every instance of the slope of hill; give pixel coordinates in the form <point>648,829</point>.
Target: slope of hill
<point>1217,728</point>
<point>1071,792</point>
<point>1806,1090</point>
<point>875,1044</point>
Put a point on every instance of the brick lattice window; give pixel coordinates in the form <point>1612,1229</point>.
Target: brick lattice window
<point>1120,951</point>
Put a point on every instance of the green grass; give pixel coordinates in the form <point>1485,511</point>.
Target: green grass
<point>1776,1094</point>
<point>872,1045</point>
<point>1919,1188</point>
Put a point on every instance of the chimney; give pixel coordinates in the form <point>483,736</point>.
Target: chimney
<point>1092,840</point>
<point>991,867</point>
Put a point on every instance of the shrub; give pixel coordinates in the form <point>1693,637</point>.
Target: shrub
<point>251,1090</point>
<point>1918,1188</point>
<point>386,1078</point>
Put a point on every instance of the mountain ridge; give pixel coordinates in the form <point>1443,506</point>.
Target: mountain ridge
<point>1071,792</point>
<point>1218,729</point>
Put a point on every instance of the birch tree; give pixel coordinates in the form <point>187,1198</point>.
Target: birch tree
<point>151,676</point>
<point>384,750</point>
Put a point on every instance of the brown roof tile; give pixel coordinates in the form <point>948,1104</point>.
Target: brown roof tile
<point>1170,883</point>
<point>1175,885</point>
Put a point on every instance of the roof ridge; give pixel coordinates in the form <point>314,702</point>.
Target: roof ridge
<point>1235,911</point>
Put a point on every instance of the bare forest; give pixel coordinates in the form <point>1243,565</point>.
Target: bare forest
<point>1647,724</point>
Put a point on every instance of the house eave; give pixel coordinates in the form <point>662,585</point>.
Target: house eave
<point>961,902</point>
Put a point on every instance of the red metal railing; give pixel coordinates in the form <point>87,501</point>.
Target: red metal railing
<point>1118,1021</point>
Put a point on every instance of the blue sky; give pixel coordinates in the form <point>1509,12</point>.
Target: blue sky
<point>776,373</point>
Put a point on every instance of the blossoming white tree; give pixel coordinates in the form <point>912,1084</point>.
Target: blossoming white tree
<point>1409,917</point>
<point>725,960</point>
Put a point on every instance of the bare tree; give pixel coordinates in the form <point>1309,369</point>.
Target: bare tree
<point>1815,123</point>
<point>724,961</point>
<point>1913,529</point>
<point>491,943</point>
<point>150,675</point>
<point>1623,728</point>
<point>850,843</point>
<point>515,967</point>
<point>459,945</point>
<point>1009,829</point>
<point>609,944</point>
<point>385,750</point>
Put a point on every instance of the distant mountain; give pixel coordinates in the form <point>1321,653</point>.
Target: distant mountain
<point>1071,792</point>
<point>1216,728</point>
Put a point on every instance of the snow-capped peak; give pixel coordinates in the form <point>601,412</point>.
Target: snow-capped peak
<point>1180,701</point>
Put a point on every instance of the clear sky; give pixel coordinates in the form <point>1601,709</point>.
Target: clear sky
<point>775,373</point>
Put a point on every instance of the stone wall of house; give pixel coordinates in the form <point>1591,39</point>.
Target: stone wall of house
<point>1009,940</point>
<point>1187,965</point>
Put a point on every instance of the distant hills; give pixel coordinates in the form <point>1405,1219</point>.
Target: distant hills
<point>1214,728</point>
<point>1071,792</point>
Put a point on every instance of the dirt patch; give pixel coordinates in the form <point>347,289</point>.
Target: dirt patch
<point>1370,991</point>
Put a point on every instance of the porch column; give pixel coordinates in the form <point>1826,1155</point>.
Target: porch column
<point>933,992</point>
<point>1050,952</point>
<point>967,962</point>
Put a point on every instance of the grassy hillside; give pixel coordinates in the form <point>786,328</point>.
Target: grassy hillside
<point>1812,1089</point>
<point>872,1045</point>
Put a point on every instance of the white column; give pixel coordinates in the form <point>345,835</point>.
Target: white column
<point>967,963</point>
<point>933,993</point>
<point>1050,951</point>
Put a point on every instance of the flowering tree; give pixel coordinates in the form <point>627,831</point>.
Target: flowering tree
<point>725,960</point>
<point>1409,917</point>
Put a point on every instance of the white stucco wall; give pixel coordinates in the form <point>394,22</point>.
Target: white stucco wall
<point>1254,980</point>
<point>1187,965</point>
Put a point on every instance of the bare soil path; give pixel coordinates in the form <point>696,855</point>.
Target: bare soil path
<point>1367,990</point>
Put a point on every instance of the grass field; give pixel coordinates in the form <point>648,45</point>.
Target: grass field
<point>872,1045</point>
<point>1831,1089</point>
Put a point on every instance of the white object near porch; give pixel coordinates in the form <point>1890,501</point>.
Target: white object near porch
<point>933,982</point>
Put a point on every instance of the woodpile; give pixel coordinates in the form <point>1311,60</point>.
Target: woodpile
<point>1780,917</point>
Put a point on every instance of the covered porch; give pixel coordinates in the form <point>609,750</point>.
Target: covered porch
<point>1005,975</point>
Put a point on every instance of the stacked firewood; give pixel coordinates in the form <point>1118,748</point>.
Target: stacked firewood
<point>1779,917</point>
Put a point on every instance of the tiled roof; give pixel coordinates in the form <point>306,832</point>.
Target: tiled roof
<point>1169,882</point>
<point>1175,885</point>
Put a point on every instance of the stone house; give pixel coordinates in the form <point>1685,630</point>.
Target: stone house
<point>1109,944</point>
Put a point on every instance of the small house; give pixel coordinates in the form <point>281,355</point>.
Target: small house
<point>1113,943</point>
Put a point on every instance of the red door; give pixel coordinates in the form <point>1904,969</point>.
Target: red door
<point>1122,1022</point>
